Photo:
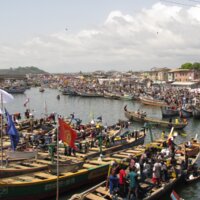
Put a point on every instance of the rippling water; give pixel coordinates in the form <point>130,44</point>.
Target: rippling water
<point>110,110</point>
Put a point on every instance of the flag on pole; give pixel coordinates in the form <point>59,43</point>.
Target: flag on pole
<point>12,131</point>
<point>67,134</point>
<point>174,196</point>
<point>26,102</point>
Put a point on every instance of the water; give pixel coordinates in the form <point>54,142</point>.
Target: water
<point>111,111</point>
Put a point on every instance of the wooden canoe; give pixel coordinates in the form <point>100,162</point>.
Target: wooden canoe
<point>134,116</point>
<point>152,102</point>
<point>42,184</point>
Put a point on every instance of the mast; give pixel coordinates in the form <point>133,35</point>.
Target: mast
<point>57,185</point>
<point>1,130</point>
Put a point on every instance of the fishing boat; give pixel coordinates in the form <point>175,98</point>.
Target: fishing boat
<point>196,112</point>
<point>119,144</point>
<point>22,167</point>
<point>40,185</point>
<point>15,90</point>
<point>26,154</point>
<point>141,117</point>
<point>153,192</point>
<point>169,111</point>
<point>152,102</point>
<point>185,113</point>
<point>67,166</point>
<point>41,89</point>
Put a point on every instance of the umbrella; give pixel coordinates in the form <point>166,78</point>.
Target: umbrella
<point>5,96</point>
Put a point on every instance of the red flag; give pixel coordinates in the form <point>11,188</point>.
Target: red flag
<point>67,134</point>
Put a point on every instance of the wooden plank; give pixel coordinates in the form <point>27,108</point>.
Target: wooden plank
<point>120,156</point>
<point>103,191</point>
<point>94,197</point>
<point>37,165</point>
<point>86,165</point>
<point>44,161</point>
<point>98,162</point>
<point>44,175</point>
<point>19,166</point>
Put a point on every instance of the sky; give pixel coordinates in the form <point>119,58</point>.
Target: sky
<point>61,36</point>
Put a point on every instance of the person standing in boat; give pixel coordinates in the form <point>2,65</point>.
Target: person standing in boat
<point>113,181</point>
<point>132,179</point>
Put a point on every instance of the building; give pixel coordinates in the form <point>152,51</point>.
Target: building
<point>183,75</point>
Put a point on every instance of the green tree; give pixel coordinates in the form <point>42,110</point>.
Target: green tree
<point>186,66</point>
<point>196,65</point>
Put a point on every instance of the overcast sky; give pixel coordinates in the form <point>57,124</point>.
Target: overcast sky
<point>89,35</point>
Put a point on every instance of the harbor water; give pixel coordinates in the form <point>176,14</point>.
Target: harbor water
<point>111,111</point>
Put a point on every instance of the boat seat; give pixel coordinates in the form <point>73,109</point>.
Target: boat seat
<point>103,191</point>
<point>94,197</point>
<point>133,151</point>
<point>98,162</point>
<point>27,178</point>
<point>36,165</point>
<point>120,156</point>
<point>111,159</point>
<point>86,165</point>
<point>19,166</point>
<point>44,161</point>
<point>44,175</point>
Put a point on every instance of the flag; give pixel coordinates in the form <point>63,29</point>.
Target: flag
<point>66,133</point>
<point>12,131</point>
<point>26,102</point>
<point>174,196</point>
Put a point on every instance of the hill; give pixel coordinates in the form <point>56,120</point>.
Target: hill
<point>22,71</point>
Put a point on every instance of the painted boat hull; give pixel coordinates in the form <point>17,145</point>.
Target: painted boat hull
<point>64,168</point>
<point>21,154</point>
<point>167,112</point>
<point>152,102</point>
<point>133,116</point>
<point>47,188</point>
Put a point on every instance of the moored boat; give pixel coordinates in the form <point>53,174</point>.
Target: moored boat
<point>141,117</point>
<point>40,185</point>
<point>169,111</point>
<point>185,113</point>
<point>196,112</point>
<point>152,102</point>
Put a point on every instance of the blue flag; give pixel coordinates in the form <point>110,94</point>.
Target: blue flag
<point>12,131</point>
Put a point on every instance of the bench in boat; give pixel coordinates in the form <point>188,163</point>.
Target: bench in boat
<point>94,197</point>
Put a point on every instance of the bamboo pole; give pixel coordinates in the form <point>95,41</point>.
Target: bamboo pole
<point>57,185</point>
<point>2,131</point>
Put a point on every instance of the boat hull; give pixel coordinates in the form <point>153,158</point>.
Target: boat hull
<point>133,116</point>
<point>47,188</point>
<point>166,112</point>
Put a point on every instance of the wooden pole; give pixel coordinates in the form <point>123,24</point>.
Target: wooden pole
<point>2,131</point>
<point>57,191</point>
<point>107,180</point>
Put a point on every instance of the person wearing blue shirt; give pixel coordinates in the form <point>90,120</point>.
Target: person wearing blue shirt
<point>113,181</point>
